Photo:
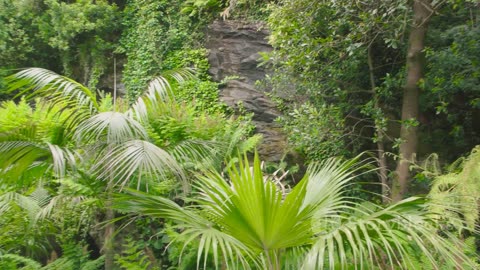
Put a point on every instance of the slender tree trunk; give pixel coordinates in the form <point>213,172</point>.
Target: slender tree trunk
<point>411,91</point>
<point>109,230</point>
<point>382,159</point>
<point>110,214</point>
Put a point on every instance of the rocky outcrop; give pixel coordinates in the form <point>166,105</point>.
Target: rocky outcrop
<point>234,49</point>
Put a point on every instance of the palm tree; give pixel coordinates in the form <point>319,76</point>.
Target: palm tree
<point>246,222</point>
<point>111,145</point>
<point>105,142</point>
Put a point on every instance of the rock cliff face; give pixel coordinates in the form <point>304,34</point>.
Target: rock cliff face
<point>234,49</point>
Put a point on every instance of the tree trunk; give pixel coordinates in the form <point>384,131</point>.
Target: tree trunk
<point>108,247</point>
<point>382,159</point>
<point>411,91</point>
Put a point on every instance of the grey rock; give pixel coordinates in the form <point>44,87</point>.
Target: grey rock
<point>234,48</point>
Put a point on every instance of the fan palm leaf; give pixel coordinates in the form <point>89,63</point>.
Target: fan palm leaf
<point>315,220</point>
<point>110,128</point>
<point>135,159</point>
<point>193,224</point>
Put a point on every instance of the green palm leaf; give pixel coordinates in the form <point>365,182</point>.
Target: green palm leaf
<point>196,153</point>
<point>159,90</point>
<point>20,157</point>
<point>58,89</point>
<point>33,204</point>
<point>194,227</point>
<point>315,220</point>
<point>133,160</point>
<point>110,128</point>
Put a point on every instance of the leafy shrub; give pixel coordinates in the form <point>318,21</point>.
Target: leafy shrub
<point>315,131</point>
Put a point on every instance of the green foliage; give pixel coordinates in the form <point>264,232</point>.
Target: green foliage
<point>17,42</point>
<point>173,122</point>
<point>75,37</point>
<point>132,257</point>
<point>152,29</point>
<point>14,116</point>
<point>12,261</point>
<point>201,8</point>
<point>321,75</point>
<point>193,58</point>
<point>315,132</point>
<point>249,222</point>
<point>32,135</point>
<point>18,236</point>
<point>320,55</point>
<point>460,188</point>
<point>350,56</point>
<point>236,9</point>
<point>74,257</point>
<point>181,256</point>
<point>421,262</point>
<point>47,220</point>
<point>45,122</point>
<point>66,21</point>
<point>156,139</point>
<point>451,85</point>
<point>202,93</point>
<point>80,31</point>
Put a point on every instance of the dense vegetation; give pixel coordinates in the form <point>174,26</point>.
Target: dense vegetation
<point>152,171</point>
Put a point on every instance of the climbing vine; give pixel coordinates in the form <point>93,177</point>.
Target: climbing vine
<point>152,29</point>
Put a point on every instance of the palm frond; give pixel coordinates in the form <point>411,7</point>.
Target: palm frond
<point>6,200</point>
<point>31,204</point>
<point>19,157</point>
<point>194,227</point>
<point>327,182</point>
<point>379,236</point>
<point>196,153</point>
<point>248,219</point>
<point>254,210</point>
<point>159,89</point>
<point>136,158</point>
<point>111,128</point>
<point>62,159</point>
<point>57,88</point>
<point>154,206</point>
<point>40,196</point>
<point>224,247</point>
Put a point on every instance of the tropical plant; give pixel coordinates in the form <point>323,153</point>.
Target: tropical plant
<point>93,123</point>
<point>102,137</point>
<point>246,221</point>
<point>133,257</point>
<point>459,187</point>
<point>13,262</point>
<point>120,145</point>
